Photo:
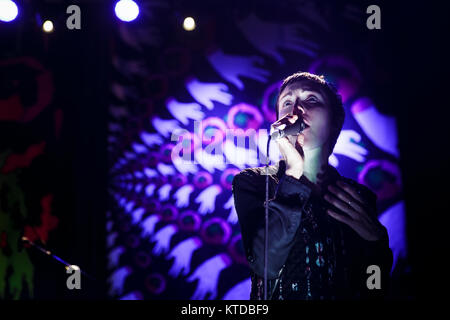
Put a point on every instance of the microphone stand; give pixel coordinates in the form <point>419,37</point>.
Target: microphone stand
<point>55,257</point>
<point>298,127</point>
<point>266,218</point>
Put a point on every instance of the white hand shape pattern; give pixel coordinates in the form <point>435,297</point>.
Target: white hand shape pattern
<point>166,170</point>
<point>129,206</point>
<point>182,195</point>
<point>150,173</point>
<point>381,129</point>
<point>165,127</point>
<point>182,255</point>
<point>117,280</point>
<point>185,111</point>
<point>151,139</point>
<point>137,215</point>
<point>207,275</point>
<point>207,199</point>
<point>206,93</point>
<point>150,189</point>
<point>114,256</point>
<point>162,238</point>
<point>129,155</point>
<point>148,225</point>
<point>240,291</point>
<point>269,37</point>
<point>135,295</point>
<point>232,217</point>
<point>139,148</point>
<point>394,221</point>
<point>117,111</point>
<point>164,192</point>
<point>347,147</point>
<point>109,225</point>
<point>231,67</point>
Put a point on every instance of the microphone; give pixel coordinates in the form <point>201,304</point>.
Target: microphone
<point>294,129</point>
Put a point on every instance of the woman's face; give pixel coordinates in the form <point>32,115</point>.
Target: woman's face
<point>311,104</point>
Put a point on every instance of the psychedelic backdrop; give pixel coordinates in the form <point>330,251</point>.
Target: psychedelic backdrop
<point>172,230</point>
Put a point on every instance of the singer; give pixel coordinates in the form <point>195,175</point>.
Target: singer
<point>323,229</point>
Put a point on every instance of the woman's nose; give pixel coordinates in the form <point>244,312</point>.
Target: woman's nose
<point>299,109</point>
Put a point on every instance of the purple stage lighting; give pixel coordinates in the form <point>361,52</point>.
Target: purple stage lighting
<point>8,10</point>
<point>126,10</point>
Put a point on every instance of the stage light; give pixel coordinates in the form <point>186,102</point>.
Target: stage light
<point>47,26</point>
<point>189,24</point>
<point>126,10</point>
<point>8,10</point>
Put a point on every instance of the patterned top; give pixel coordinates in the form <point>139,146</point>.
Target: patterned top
<point>308,273</point>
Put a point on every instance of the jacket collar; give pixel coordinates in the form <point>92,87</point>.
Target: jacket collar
<point>331,175</point>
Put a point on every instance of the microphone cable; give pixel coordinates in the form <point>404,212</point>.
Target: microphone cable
<point>302,126</point>
<point>266,218</point>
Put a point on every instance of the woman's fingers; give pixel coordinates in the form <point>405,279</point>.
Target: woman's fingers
<point>342,218</point>
<point>346,198</point>
<point>285,120</point>
<point>350,190</point>
<point>294,160</point>
<point>343,206</point>
<point>355,211</point>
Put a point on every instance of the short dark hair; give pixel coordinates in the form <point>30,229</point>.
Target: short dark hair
<point>333,97</point>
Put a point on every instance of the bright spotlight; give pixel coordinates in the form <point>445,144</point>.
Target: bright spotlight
<point>8,10</point>
<point>189,24</point>
<point>126,10</point>
<point>47,26</point>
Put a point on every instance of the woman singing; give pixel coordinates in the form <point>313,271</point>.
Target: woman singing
<point>324,240</point>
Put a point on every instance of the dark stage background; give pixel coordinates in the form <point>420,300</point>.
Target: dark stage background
<point>87,116</point>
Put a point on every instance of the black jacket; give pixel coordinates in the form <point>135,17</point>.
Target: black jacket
<point>289,197</point>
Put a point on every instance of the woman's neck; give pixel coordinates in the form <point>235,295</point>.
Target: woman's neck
<point>315,164</point>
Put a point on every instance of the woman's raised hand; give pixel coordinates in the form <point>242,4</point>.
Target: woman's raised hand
<point>294,159</point>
